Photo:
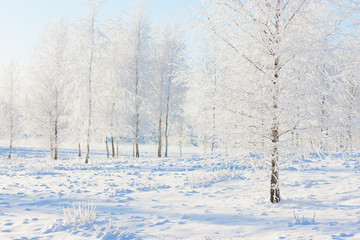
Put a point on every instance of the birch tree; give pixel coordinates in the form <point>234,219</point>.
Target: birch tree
<point>9,102</point>
<point>112,86</point>
<point>170,68</point>
<point>49,76</point>
<point>139,70</point>
<point>204,94</point>
<point>77,95</point>
<point>269,37</point>
<point>89,38</point>
<point>349,85</point>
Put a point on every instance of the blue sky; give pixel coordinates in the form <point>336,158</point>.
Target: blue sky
<point>22,21</point>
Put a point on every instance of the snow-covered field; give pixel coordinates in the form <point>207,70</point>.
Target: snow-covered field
<point>175,198</point>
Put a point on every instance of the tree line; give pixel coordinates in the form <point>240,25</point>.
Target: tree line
<point>121,80</point>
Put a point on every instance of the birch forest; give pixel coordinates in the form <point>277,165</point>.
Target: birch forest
<point>271,78</point>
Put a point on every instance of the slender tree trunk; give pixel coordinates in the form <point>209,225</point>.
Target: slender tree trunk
<point>274,183</point>
<point>159,138</point>
<point>88,130</point>
<point>87,153</point>
<point>113,147</point>
<point>79,147</point>
<point>212,143</point>
<point>90,87</point>
<point>160,117</point>
<point>10,147</point>
<point>56,140</point>
<point>107,148</point>
<point>137,112</point>
<point>112,127</point>
<point>167,126</point>
<point>56,127</point>
<point>137,94</point>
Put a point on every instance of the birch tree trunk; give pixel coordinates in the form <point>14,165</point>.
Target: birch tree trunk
<point>167,114</point>
<point>112,127</point>
<point>56,127</point>
<point>137,100</point>
<point>56,140</point>
<point>113,147</point>
<point>90,71</point>
<point>90,111</point>
<point>79,148</point>
<point>11,117</point>
<point>167,125</point>
<point>160,117</point>
<point>107,148</point>
<point>137,153</point>
<point>159,137</point>
<point>274,183</point>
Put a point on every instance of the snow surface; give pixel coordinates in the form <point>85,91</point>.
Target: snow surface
<point>174,198</point>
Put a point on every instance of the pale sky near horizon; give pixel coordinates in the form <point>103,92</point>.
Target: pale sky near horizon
<point>22,21</point>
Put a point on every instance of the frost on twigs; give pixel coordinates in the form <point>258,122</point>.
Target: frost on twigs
<point>82,217</point>
<point>77,216</point>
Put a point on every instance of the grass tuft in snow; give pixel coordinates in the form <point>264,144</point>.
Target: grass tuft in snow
<point>302,220</point>
<point>111,231</point>
<point>78,215</point>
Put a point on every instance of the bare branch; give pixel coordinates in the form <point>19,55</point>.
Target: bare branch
<point>213,29</point>
<point>295,13</point>
<point>289,130</point>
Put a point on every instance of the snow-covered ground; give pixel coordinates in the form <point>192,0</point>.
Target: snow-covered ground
<point>174,198</point>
